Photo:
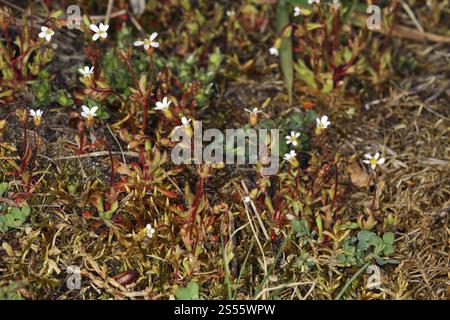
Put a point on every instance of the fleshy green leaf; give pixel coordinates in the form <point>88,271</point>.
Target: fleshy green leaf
<point>286,55</point>
<point>388,238</point>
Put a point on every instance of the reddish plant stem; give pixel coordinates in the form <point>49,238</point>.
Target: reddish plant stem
<point>133,75</point>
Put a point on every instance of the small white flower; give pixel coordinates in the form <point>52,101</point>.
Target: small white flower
<point>290,156</point>
<point>46,33</point>
<point>274,51</point>
<point>322,123</point>
<point>100,31</point>
<point>86,71</point>
<point>336,4</point>
<point>374,161</point>
<point>147,43</point>
<point>89,113</point>
<point>149,231</point>
<point>230,13</point>
<point>312,1</point>
<point>253,117</point>
<point>254,111</point>
<point>297,11</point>
<point>292,139</point>
<point>37,116</point>
<point>163,105</point>
<point>36,113</point>
<point>247,199</point>
<point>184,121</point>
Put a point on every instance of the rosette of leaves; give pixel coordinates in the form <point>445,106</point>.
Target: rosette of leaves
<point>384,245</point>
<point>11,217</point>
<point>355,250</point>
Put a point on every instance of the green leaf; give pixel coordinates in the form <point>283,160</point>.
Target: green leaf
<point>388,249</point>
<point>16,213</point>
<point>286,55</point>
<point>313,26</point>
<point>305,74</point>
<point>188,293</point>
<point>56,14</point>
<point>363,245</point>
<point>26,211</point>
<point>365,235</point>
<point>9,220</point>
<point>3,188</point>
<point>388,238</point>
<point>300,228</point>
<point>375,240</point>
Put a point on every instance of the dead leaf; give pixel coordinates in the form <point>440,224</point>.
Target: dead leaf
<point>52,266</point>
<point>9,250</point>
<point>359,177</point>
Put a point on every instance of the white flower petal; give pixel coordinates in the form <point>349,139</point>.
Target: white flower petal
<point>104,27</point>
<point>95,37</point>
<point>94,28</point>
<point>153,36</point>
<point>94,110</point>
<point>138,43</point>
<point>85,109</point>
